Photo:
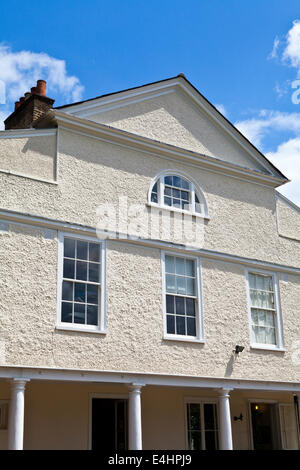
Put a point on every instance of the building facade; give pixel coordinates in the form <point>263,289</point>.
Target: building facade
<point>150,278</point>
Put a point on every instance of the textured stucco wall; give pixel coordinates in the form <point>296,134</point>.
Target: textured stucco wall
<point>57,416</point>
<point>91,172</point>
<point>31,156</point>
<point>288,219</point>
<point>174,119</point>
<point>243,222</point>
<point>134,339</point>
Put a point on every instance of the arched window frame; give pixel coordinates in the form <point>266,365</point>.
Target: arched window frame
<point>194,190</point>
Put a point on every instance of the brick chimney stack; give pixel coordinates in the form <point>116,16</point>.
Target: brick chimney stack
<point>29,108</point>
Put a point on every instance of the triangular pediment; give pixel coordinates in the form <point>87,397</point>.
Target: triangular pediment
<point>174,112</point>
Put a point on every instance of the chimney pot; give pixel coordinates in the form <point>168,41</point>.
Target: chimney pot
<point>41,87</point>
<point>30,108</point>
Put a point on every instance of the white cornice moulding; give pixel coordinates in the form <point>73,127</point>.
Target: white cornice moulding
<point>129,377</point>
<point>25,133</point>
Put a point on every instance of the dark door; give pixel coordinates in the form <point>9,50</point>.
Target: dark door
<point>264,426</point>
<point>109,424</point>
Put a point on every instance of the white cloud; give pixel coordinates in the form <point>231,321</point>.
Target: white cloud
<point>20,70</point>
<point>291,53</point>
<point>274,51</point>
<point>222,109</point>
<point>287,158</point>
<point>255,129</point>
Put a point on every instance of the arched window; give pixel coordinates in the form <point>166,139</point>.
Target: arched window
<point>177,192</point>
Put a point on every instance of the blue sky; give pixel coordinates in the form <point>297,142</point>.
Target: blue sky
<point>242,55</point>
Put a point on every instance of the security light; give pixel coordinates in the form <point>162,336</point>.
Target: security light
<point>238,349</point>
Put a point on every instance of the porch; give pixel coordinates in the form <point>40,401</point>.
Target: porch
<point>47,409</point>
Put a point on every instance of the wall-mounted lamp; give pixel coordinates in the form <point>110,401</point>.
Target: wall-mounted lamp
<point>236,418</point>
<point>238,349</point>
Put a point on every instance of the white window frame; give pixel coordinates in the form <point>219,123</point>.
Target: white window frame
<point>159,179</point>
<point>199,338</point>
<point>279,346</point>
<point>101,327</point>
<point>200,401</point>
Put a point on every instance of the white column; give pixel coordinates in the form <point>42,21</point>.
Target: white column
<point>225,420</point>
<point>135,417</point>
<point>16,414</point>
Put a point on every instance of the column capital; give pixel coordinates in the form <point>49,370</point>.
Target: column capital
<point>135,387</point>
<point>224,392</point>
<point>19,382</point>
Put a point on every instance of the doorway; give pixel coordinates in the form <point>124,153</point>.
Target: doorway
<point>265,426</point>
<point>109,424</point>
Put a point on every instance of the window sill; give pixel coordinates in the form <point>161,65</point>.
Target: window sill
<point>179,211</point>
<point>266,348</point>
<point>80,329</point>
<point>183,339</point>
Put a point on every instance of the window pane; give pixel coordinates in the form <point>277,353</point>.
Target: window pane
<point>170,283</point>
<point>170,304</point>
<point>197,204</point>
<point>171,324</point>
<point>170,264</point>
<point>81,270</point>
<point>184,195</point>
<point>209,416</point>
<point>190,286</point>
<point>176,193</point>
<point>195,440</point>
<point>180,325</point>
<point>168,191</point>
<point>190,307</point>
<point>92,315</point>
<point>191,326</point>
<point>67,290</point>
<point>169,180</point>
<point>180,305</point>
<point>177,181</point>
<point>93,272</point>
<point>185,184</point>
<point>69,268</point>
<point>180,285</point>
<point>270,319</point>
<point>66,312</point>
<point>92,294</point>
<point>177,203</point>
<point>190,267</point>
<point>69,248</point>
<point>94,252</point>
<point>180,266</point>
<point>80,292</point>
<point>79,313</point>
<point>270,336</point>
<point>194,412</point>
<point>168,201</point>
<point>154,197</point>
<point>81,250</point>
<point>210,440</point>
